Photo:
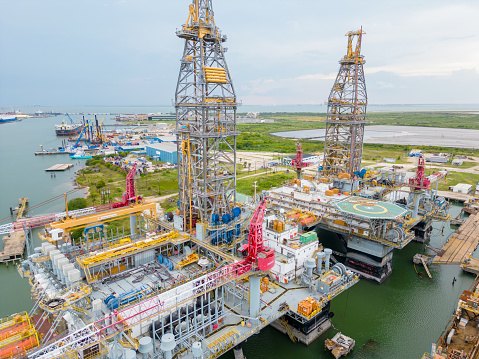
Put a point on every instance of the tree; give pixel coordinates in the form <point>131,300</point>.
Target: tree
<point>100,184</point>
<point>77,203</point>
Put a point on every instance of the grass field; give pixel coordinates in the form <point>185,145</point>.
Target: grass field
<point>454,178</point>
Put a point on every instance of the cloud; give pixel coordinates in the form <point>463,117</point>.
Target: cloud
<point>331,76</point>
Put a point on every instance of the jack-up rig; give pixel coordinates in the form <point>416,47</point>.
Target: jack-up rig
<point>197,283</point>
<point>362,214</point>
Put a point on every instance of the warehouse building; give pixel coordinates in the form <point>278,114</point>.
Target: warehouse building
<point>165,151</point>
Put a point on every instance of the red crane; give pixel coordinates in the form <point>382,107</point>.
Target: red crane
<point>130,195</point>
<point>256,252</point>
<point>297,162</point>
<point>420,181</point>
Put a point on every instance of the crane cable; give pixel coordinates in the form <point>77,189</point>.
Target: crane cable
<point>31,208</point>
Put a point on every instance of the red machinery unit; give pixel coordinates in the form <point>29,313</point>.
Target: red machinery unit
<point>255,250</point>
<point>130,195</point>
<point>297,162</point>
<point>420,181</point>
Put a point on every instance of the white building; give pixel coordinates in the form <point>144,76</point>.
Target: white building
<point>290,252</point>
<point>462,188</point>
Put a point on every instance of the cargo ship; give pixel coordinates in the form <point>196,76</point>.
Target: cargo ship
<point>8,118</point>
<point>68,129</point>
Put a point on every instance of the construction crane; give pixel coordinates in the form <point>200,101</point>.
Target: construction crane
<point>259,256</point>
<point>130,195</point>
<point>80,136</point>
<point>205,103</point>
<point>71,120</point>
<point>297,162</point>
<point>419,181</point>
<point>347,103</point>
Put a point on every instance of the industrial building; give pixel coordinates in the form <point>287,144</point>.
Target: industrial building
<point>163,151</point>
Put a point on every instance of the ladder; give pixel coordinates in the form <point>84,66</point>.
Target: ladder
<point>288,329</point>
<point>425,266</point>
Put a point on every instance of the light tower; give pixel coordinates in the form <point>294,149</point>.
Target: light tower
<point>346,112</point>
<point>205,103</point>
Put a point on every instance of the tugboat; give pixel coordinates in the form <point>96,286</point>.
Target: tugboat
<point>68,129</point>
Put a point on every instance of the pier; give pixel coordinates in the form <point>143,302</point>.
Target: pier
<point>13,247</point>
<point>461,244</point>
<point>454,197</point>
<point>59,167</point>
<point>471,265</point>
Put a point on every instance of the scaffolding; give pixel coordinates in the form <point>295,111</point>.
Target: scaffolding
<point>346,112</point>
<point>205,103</point>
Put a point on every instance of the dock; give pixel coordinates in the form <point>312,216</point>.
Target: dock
<point>59,167</point>
<point>454,197</point>
<point>461,244</point>
<point>50,152</point>
<point>13,247</point>
<point>471,265</point>
<point>23,203</point>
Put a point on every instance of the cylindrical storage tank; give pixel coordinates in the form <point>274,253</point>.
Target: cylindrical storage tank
<point>197,350</point>
<point>130,354</point>
<point>146,346</point>
<point>327,253</point>
<point>396,177</point>
<point>383,174</point>
<point>167,345</point>
<point>53,254</point>
<point>309,264</point>
<point>62,263</point>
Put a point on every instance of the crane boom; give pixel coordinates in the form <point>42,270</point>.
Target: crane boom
<point>71,120</point>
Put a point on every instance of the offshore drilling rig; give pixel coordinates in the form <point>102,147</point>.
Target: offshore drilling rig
<point>346,112</point>
<point>205,103</point>
<point>196,287</point>
<point>363,215</point>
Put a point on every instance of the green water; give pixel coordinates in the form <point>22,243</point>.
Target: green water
<point>397,319</point>
<point>23,175</point>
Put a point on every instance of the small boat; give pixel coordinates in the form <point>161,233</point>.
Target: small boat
<point>80,155</point>
<point>339,345</point>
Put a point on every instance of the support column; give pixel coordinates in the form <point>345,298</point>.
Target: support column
<point>238,351</point>
<point>254,298</point>
<point>133,224</point>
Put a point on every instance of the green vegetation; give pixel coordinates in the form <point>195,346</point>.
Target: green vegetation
<point>263,182</point>
<point>77,203</point>
<point>454,178</point>
<point>101,177</point>
<point>426,119</point>
<point>258,137</point>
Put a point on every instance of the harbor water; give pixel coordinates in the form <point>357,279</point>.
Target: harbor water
<point>397,319</point>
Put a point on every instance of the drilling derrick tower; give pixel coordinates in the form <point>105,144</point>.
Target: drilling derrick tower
<point>346,112</point>
<point>205,103</point>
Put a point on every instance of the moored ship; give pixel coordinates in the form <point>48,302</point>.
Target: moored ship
<point>68,129</point>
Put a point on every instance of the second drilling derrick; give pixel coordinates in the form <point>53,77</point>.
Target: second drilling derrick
<point>346,112</point>
<point>205,103</point>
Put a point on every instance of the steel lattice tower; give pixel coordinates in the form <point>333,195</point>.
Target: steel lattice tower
<point>346,112</point>
<point>205,103</point>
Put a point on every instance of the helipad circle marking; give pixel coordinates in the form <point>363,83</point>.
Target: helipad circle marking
<point>384,210</point>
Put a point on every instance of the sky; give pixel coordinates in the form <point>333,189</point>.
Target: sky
<point>125,52</point>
